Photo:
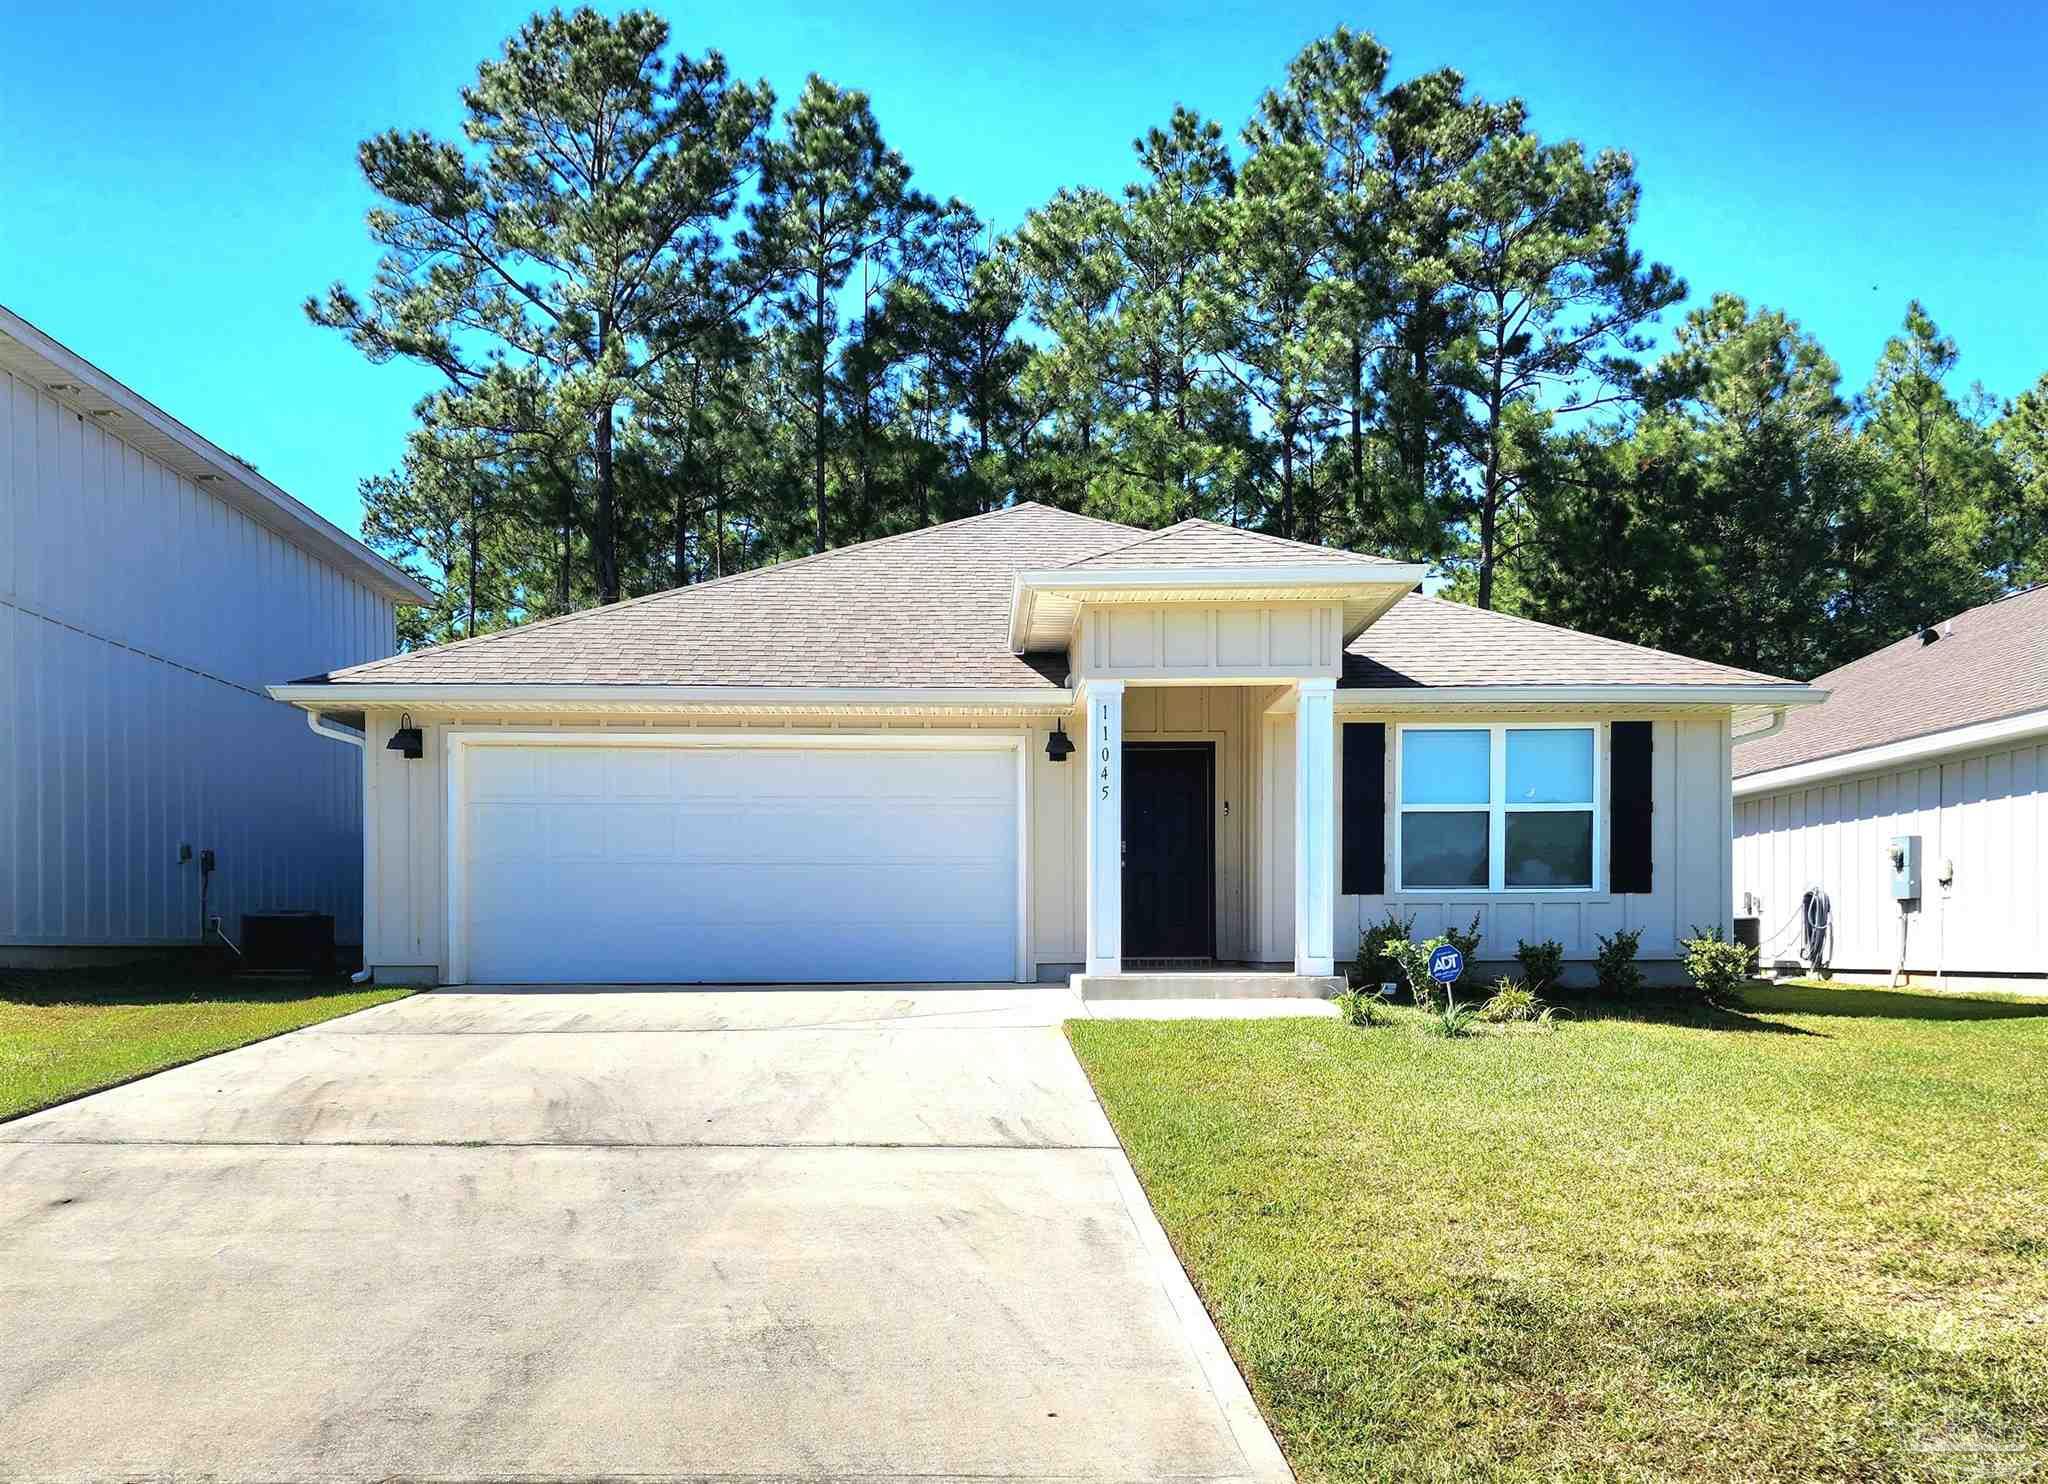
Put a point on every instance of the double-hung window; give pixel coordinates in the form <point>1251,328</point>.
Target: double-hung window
<point>1498,808</point>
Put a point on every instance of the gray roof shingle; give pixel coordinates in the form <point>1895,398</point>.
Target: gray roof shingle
<point>1990,662</point>
<point>1204,543</point>
<point>929,607</point>
<point>1432,642</point>
<point>932,608</point>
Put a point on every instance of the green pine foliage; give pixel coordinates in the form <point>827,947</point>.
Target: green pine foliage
<point>678,333</point>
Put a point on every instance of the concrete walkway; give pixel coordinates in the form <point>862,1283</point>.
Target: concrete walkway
<point>541,1235</point>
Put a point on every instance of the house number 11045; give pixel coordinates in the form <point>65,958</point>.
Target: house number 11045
<point>1105,757</point>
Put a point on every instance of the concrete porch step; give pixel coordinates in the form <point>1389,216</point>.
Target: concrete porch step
<point>1210,984</point>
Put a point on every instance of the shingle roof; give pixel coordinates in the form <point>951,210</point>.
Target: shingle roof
<point>1989,662</point>
<point>1204,543</point>
<point>932,608</point>
<point>929,607</point>
<point>1431,642</point>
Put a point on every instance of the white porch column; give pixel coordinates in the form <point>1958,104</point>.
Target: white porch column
<point>1315,826</point>
<point>1103,751</point>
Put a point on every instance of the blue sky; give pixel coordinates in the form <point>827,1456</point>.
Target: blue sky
<point>174,180</point>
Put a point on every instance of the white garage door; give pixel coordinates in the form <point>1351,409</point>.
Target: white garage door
<point>736,862</point>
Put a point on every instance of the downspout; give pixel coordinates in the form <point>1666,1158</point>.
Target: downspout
<point>1770,729</point>
<point>321,726</point>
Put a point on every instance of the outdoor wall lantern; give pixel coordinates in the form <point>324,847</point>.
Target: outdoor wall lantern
<point>406,740</point>
<point>1059,746</point>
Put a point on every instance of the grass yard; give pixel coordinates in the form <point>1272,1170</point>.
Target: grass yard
<point>1806,1240</point>
<point>62,1034</point>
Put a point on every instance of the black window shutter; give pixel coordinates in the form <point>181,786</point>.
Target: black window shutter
<point>1365,809</point>
<point>1628,807</point>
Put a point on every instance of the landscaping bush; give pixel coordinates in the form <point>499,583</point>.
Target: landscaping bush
<point>1362,1007</point>
<point>1452,1021</point>
<point>1718,969</point>
<point>1510,1001</point>
<point>1373,967</point>
<point>1412,959</point>
<point>1542,963</point>
<point>1615,963</point>
<point>1466,942</point>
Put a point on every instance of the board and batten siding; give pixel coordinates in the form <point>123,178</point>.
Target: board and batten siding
<point>141,618</point>
<point>1986,812</point>
<point>1690,769</point>
<point>405,917</point>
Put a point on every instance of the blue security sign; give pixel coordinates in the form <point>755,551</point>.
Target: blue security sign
<point>1446,964</point>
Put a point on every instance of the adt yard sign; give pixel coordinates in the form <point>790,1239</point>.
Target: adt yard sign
<point>1446,964</point>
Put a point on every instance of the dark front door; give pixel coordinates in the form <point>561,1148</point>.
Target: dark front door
<point>1169,850</point>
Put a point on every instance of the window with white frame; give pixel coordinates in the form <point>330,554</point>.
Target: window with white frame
<point>1497,808</point>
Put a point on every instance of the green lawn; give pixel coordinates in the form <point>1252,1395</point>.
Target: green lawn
<point>62,1034</point>
<point>1805,1240</point>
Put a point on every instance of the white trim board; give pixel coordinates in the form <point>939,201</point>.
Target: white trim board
<point>1891,754</point>
<point>342,696</point>
<point>460,740</point>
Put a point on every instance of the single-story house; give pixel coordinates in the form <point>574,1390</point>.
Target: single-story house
<point>1028,745</point>
<point>151,585</point>
<point>1937,744</point>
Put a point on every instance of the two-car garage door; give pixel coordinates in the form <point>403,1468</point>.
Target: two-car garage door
<point>731,860</point>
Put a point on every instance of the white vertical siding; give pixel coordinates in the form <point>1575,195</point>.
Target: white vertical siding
<point>1987,812</point>
<point>1689,851</point>
<point>140,619</point>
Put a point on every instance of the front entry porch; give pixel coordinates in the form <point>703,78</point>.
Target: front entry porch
<point>1210,858</point>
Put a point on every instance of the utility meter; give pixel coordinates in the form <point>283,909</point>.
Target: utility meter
<point>1904,856</point>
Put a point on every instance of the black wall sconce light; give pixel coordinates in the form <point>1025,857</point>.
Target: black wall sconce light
<point>406,741</point>
<point>1059,746</point>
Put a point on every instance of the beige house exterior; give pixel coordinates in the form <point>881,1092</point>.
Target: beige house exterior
<point>1038,747</point>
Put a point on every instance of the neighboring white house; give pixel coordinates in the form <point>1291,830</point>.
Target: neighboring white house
<point>1026,745</point>
<point>1939,741</point>
<point>150,584</point>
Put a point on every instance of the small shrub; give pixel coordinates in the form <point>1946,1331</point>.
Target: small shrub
<point>1362,1007</point>
<point>1542,963</point>
<point>1466,942</point>
<point>1510,1002</point>
<point>1717,968</point>
<point>1412,959</point>
<point>1373,967</point>
<point>1452,1021</point>
<point>1615,963</point>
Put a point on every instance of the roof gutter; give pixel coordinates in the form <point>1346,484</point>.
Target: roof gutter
<point>1580,695</point>
<point>331,696</point>
<point>1892,754</point>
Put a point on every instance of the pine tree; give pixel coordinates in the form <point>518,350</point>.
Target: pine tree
<point>575,236</point>
<point>834,199</point>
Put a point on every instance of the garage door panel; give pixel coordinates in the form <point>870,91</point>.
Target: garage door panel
<point>734,863</point>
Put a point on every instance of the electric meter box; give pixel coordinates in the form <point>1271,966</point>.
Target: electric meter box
<point>1904,856</point>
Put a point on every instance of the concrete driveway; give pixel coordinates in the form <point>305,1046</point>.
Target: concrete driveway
<point>585,1235</point>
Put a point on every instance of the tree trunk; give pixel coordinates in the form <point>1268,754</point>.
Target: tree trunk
<point>818,418</point>
<point>683,484</point>
<point>470,631</point>
<point>604,536</point>
<point>1287,479</point>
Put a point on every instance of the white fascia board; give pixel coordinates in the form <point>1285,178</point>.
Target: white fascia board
<point>264,501</point>
<point>1893,754</point>
<point>1219,580</point>
<point>345,695</point>
<point>1580,695</point>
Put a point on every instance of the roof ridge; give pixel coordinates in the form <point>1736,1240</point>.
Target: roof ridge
<point>1202,522</point>
<point>693,587</point>
<point>1142,539</point>
<point>1537,623</point>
